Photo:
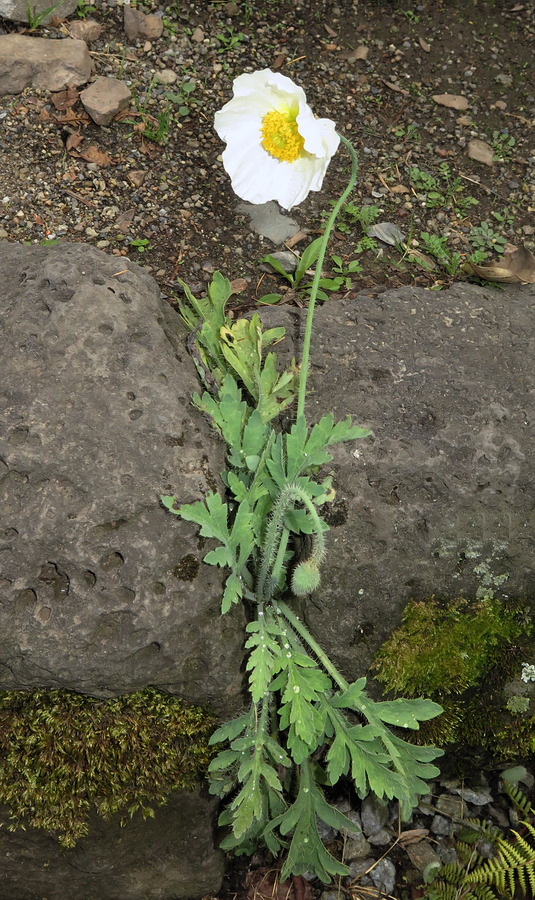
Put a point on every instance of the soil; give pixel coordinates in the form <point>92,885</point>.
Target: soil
<point>169,204</point>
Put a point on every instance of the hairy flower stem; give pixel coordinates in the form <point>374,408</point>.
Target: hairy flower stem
<point>314,646</point>
<point>317,275</point>
<point>275,546</point>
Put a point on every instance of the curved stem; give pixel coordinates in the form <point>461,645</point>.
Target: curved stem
<point>317,275</point>
<point>314,646</point>
<point>273,555</point>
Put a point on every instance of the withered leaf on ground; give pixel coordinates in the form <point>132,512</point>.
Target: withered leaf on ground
<point>452,101</point>
<point>73,118</point>
<point>413,836</point>
<point>92,154</point>
<point>291,242</point>
<point>124,220</point>
<point>481,151</point>
<point>396,87</point>
<point>65,99</point>
<point>73,141</point>
<point>424,45</point>
<point>279,61</point>
<point>239,285</point>
<point>516,266</point>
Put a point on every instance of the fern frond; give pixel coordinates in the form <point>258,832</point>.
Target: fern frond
<point>519,798</point>
<point>467,853</point>
<point>513,865</point>
<point>486,829</point>
<point>452,872</point>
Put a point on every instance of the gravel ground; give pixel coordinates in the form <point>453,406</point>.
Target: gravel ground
<point>373,66</point>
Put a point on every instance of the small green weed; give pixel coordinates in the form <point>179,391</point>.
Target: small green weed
<point>351,215</point>
<point>437,247</point>
<point>483,237</point>
<point>83,10</point>
<point>365,243</point>
<point>230,39</point>
<point>154,128</point>
<point>295,279</point>
<point>503,145</point>
<point>441,189</point>
<point>505,218</point>
<point>408,133</point>
<point>182,97</point>
<point>141,244</point>
<point>36,19</point>
<point>345,272</point>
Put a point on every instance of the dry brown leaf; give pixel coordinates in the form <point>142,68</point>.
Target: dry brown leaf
<point>238,285</point>
<point>329,30</point>
<point>291,242</point>
<point>93,155</point>
<point>279,61</point>
<point>515,267</point>
<point>521,262</point>
<point>73,118</point>
<point>360,52</point>
<point>413,836</point>
<point>491,273</point>
<point>396,87</point>
<point>124,220</point>
<point>421,259</point>
<point>400,189</point>
<point>65,99</point>
<point>452,101</point>
<point>481,152</point>
<point>73,141</point>
<point>37,219</point>
<point>331,46</point>
<point>424,45</point>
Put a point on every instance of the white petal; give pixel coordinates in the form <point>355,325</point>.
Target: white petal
<point>257,176</point>
<point>319,134</point>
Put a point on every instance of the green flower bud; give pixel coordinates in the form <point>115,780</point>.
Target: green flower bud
<point>305,578</point>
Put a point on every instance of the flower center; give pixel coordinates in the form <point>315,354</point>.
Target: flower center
<point>280,136</point>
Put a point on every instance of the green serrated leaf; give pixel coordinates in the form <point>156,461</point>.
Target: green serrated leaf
<point>233,592</point>
<point>406,713</point>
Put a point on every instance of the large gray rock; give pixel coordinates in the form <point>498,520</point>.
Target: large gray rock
<point>101,588</point>
<point>170,856</point>
<point>41,63</point>
<point>17,10</point>
<point>442,500</point>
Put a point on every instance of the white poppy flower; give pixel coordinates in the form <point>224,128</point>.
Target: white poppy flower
<point>276,149</point>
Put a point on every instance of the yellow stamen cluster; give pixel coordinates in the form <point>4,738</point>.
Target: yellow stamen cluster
<point>280,136</point>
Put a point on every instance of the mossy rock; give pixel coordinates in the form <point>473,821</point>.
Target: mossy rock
<point>462,654</point>
<point>63,754</point>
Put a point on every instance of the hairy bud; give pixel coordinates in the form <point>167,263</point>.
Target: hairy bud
<point>305,578</point>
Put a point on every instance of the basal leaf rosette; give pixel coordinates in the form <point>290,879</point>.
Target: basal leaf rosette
<point>276,148</point>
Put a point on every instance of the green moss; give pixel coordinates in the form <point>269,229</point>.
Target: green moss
<point>63,754</point>
<point>445,648</point>
<point>461,654</point>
